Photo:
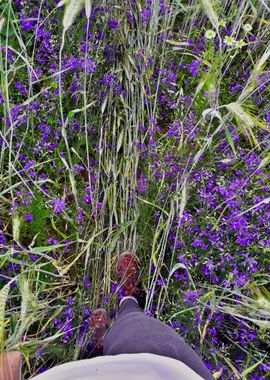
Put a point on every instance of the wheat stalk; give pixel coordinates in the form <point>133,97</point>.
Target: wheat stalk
<point>88,8</point>
<point>245,119</point>
<point>2,23</point>
<point>250,86</point>
<point>210,12</point>
<point>73,8</point>
<point>3,299</point>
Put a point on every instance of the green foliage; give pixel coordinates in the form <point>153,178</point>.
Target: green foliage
<point>99,151</point>
<point>39,226</point>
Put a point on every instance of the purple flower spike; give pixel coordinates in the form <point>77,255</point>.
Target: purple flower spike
<point>28,218</point>
<point>113,24</point>
<point>58,205</point>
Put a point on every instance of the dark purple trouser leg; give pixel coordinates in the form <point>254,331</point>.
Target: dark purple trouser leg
<point>134,332</point>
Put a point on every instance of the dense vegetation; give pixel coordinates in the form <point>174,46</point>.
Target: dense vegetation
<point>143,126</point>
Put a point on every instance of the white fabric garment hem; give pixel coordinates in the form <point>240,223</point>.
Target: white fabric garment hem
<point>141,366</point>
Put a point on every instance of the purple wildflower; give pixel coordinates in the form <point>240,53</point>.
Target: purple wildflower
<point>86,282</point>
<point>193,67</point>
<point>142,182</point>
<point>146,14</point>
<point>59,205</point>
<point>190,298</point>
<point>113,24</point>
<point>28,217</point>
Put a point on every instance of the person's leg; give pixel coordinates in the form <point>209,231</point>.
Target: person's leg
<point>134,332</point>
<point>128,307</point>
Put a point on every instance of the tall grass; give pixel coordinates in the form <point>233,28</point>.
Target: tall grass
<point>123,137</point>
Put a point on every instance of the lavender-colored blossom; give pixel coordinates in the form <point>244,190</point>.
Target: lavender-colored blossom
<point>58,205</point>
<point>193,67</point>
<point>87,198</point>
<point>39,352</point>
<point>145,15</point>
<point>99,205</point>
<point>161,282</point>
<point>142,183</point>
<point>2,238</point>
<point>130,18</point>
<point>87,282</point>
<point>27,24</point>
<point>28,217</point>
<point>109,79</point>
<point>113,24</point>
<point>89,65</point>
<point>191,297</point>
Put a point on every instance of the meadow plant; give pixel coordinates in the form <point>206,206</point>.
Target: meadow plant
<point>143,126</point>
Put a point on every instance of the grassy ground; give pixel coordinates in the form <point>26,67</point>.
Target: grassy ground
<point>143,126</point>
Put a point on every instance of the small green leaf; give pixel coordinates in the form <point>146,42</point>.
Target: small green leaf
<point>213,302</point>
<point>250,369</point>
<point>120,141</point>
<point>50,120</point>
<point>8,30</point>
<point>46,249</point>
<point>57,230</point>
<point>12,323</point>
<point>14,261</point>
<point>70,115</point>
<point>54,315</point>
<point>3,260</point>
<point>230,140</point>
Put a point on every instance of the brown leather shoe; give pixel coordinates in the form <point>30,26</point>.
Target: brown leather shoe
<point>98,326</point>
<point>128,273</point>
